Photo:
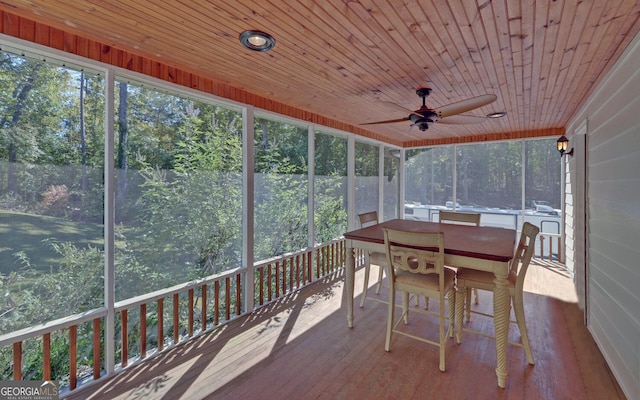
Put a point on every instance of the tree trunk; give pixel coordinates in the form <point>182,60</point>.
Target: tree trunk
<point>265,138</point>
<point>123,133</point>
<point>83,142</point>
<point>20,94</point>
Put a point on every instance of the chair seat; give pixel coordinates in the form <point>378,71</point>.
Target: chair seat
<point>429,282</point>
<point>378,258</point>
<point>483,277</point>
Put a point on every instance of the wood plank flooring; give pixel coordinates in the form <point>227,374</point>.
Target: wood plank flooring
<point>301,348</point>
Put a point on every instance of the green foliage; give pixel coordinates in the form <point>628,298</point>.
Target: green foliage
<point>190,217</point>
<point>281,189</point>
<point>488,175</point>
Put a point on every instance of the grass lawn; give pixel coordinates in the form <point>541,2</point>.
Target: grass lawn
<point>27,232</point>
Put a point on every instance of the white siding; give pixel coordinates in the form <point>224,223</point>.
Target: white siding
<point>612,205</point>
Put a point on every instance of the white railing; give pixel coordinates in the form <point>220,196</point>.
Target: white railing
<point>145,327</point>
<point>548,242</point>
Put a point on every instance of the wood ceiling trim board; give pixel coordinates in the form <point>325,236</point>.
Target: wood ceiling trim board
<point>414,35</point>
<point>466,43</point>
<point>375,92</point>
<point>552,55</point>
<point>348,62</point>
<point>573,56</point>
<point>441,74</point>
<point>481,56</point>
<point>459,22</point>
<point>584,56</point>
<point>362,31</point>
<point>528,32</point>
<point>452,58</point>
<point>11,24</point>
<point>537,77</point>
<point>43,33</point>
<point>396,30</point>
<point>562,88</point>
<point>505,66</point>
<point>514,16</point>
<point>68,18</point>
<point>200,40</point>
<point>501,87</point>
<point>558,100</point>
<point>372,60</point>
<point>284,52</point>
<point>605,53</point>
<point>385,65</point>
<point>365,68</point>
<point>408,34</point>
<point>27,29</point>
<point>52,21</point>
<point>232,51</point>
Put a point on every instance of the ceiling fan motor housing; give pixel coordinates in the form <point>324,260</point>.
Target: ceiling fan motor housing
<point>423,118</point>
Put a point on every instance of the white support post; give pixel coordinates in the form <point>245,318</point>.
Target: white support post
<point>401,183</point>
<point>381,181</point>
<point>311,187</point>
<point>523,171</point>
<point>454,193</point>
<point>351,182</point>
<point>248,205</point>
<point>109,222</point>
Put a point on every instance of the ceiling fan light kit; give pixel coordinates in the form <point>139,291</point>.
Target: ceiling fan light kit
<point>449,114</point>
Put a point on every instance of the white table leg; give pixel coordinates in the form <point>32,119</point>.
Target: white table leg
<point>501,311</point>
<point>350,272</point>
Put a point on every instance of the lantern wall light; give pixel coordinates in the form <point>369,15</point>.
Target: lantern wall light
<point>563,145</point>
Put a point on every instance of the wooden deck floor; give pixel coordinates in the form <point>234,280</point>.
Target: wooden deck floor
<point>301,348</point>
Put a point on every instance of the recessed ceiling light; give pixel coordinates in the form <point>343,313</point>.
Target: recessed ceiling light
<point>498,114</point>
<point>257,40</point>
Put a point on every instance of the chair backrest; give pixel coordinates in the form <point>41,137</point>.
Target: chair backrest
<point>524,252</point>
<point>368,219</point>
<point>417,252</point>
<point>460,217</point>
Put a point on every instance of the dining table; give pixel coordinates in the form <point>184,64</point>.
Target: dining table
<point>481,248</point>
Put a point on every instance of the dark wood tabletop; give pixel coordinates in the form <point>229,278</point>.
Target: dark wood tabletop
<point>483,242</point>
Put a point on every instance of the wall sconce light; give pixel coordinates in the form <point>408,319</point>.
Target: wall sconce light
<point>563,144</point>
<point>257,40</point>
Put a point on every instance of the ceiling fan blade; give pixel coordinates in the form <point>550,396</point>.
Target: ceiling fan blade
<point>399,107</point>
<point>461,119</point>
<point>389,121</point>
<point>396,106</point>
<point>465,105</point>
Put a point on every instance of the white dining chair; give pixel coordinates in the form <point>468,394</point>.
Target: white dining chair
<point>375,258</point>
<point>416,266</point>
<point>463,218</point>
<point>468,278</point>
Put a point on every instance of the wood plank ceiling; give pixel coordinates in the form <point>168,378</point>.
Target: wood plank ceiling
<point>356,61</point>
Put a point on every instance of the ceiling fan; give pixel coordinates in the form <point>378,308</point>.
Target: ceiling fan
<point>449,114</point>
